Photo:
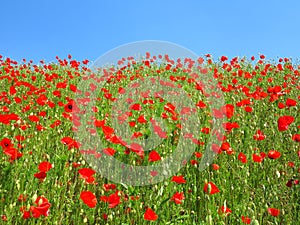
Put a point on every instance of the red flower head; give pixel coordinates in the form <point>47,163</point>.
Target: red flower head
<point>273,154</point>
<point>211,188</point>
<point>150,215</point>
<point>88,198</point>
<point>154,156</point>
<point>284,122</point>
<point>178,179</point>
<point>273,211</point>
<point>177,197</point>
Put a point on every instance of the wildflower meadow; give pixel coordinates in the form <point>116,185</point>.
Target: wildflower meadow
<point>48,169</point>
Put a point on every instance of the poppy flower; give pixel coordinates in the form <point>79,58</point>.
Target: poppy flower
<point>273,154</point>
<point>136,107</point>
<point>45,167</point>
<point>242,157</point>
<point>87,175</point>
<point>215,166</point>
<point>223,210</point>
<point>274,212</point>
<point>229,126</point>
<point>70,142</point>
<point>69,106</point>
<point>248,109</point>
<point>150,215</point>
<point>41,175</point>
<point>5,119</point>
<point>12,153</point>
<point>296,137</point>
<point>246,220</point>
<point>158,130</point>
<point>257,158</point>
<point>228,110</point>
<point>6,143</point>
<point>259,136</point>
<point>153,173</point>
<point>88,198</point>
<point>216,148</point>
<point>201,104</point>
<point>170,108</point>
<point>109,151</point>
<point>284,122</point>
<point>154,156</point>
<point>142,119</point>
<point>281,105</point>
<point>178,179</point>
<point>177,198</point>
<point>108,187</point>
<point>210,188</point>
<point>34,118</point>
<point>41,208</point>
<point>290,102</point>
<point>113,200</point>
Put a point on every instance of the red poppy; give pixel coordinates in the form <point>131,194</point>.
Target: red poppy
<point>290,102</point>
<point>201,104</point>
<point>154,156</point>
<point>41,175</point>
<point>109,151</point>
<point>229,126</point>
<point>22,198</point>
<point>178,179</point>
<point>246,220</point>
<point>45,167</point>
<point>69,106</point>
<point>248,109</point>
<point>216,148</point>
<point>215,166</point>
<point>136,107</point>
<point>281,105</point>
<point>6,143</point>
<point>86,172</point>
<point>70,142</point>
<point>113,200</point>
<point>296,137</point>
<point>228,110</point>
<point>257,158</point>
<point>259,136</point>
<point>284,122</point>
<point>12,153</point>
<point>198,154</point>
<point>210,188</point>
<point>108,187</point>
<point>158,130</point>
<point>153,173</point>
<point>274,212</point>
<point>88,198</point>
<point>242,157</point>
<point>177,197</point>
<point>205,130</point>
<point>223,210</point>
<point>87,175</point>
<point>150,215</point>
<point>142,119</point>
<point>273,154</point>
<point>5,119</point>
<point>170,108</point>
<point>42,207</point>
<point>34,118</point>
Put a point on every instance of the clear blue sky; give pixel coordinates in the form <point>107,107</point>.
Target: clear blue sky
<point>87,29</point>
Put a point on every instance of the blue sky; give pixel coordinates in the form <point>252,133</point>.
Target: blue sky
<point>87,29</point>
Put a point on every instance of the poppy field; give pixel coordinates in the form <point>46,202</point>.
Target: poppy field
<point>46,177</point>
